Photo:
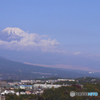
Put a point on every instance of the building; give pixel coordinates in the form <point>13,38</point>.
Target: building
<point>3,83</point>
<point>2,97</point>
<point>45,86</point>
<point>27,81</point>
<point>66,80</point>
<point>26,86</point>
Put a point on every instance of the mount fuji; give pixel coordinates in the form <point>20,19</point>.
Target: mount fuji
<point>9,34</point>
<point>17,39</point>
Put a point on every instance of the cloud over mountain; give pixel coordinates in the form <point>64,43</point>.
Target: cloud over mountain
<point>17,39</point>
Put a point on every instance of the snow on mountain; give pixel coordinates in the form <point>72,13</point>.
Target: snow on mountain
<point>14,31</point>
<point>9,34</point>
<point>15,38</point>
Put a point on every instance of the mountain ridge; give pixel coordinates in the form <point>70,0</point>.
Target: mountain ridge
<point>17,71</point>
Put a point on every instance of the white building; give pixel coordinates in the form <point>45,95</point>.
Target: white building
<point>8,92</point>
<point>27,81</point>
<point>66,80</point>
<point>45,86</point>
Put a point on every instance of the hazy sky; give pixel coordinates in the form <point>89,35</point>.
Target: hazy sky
<point>74,24</point>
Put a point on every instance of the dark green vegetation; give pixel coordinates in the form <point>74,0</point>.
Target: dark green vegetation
<point>81,80</point>
<point>62,93</point>
<point>15,70</point>
<point>23,97</point>
<point>88,80</point>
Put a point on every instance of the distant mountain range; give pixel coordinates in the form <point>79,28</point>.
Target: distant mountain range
<point>17,39</point>
<point>15,70</point>
<point>22,46</point>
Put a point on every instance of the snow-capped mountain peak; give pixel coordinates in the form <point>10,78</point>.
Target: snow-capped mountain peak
<point>10,33</point>
<point>13,31</point>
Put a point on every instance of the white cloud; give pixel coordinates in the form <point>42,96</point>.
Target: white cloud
<point>77,53</point>
<point>20,40</point>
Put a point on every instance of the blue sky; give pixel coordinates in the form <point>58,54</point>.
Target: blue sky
<point>73,23</point>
